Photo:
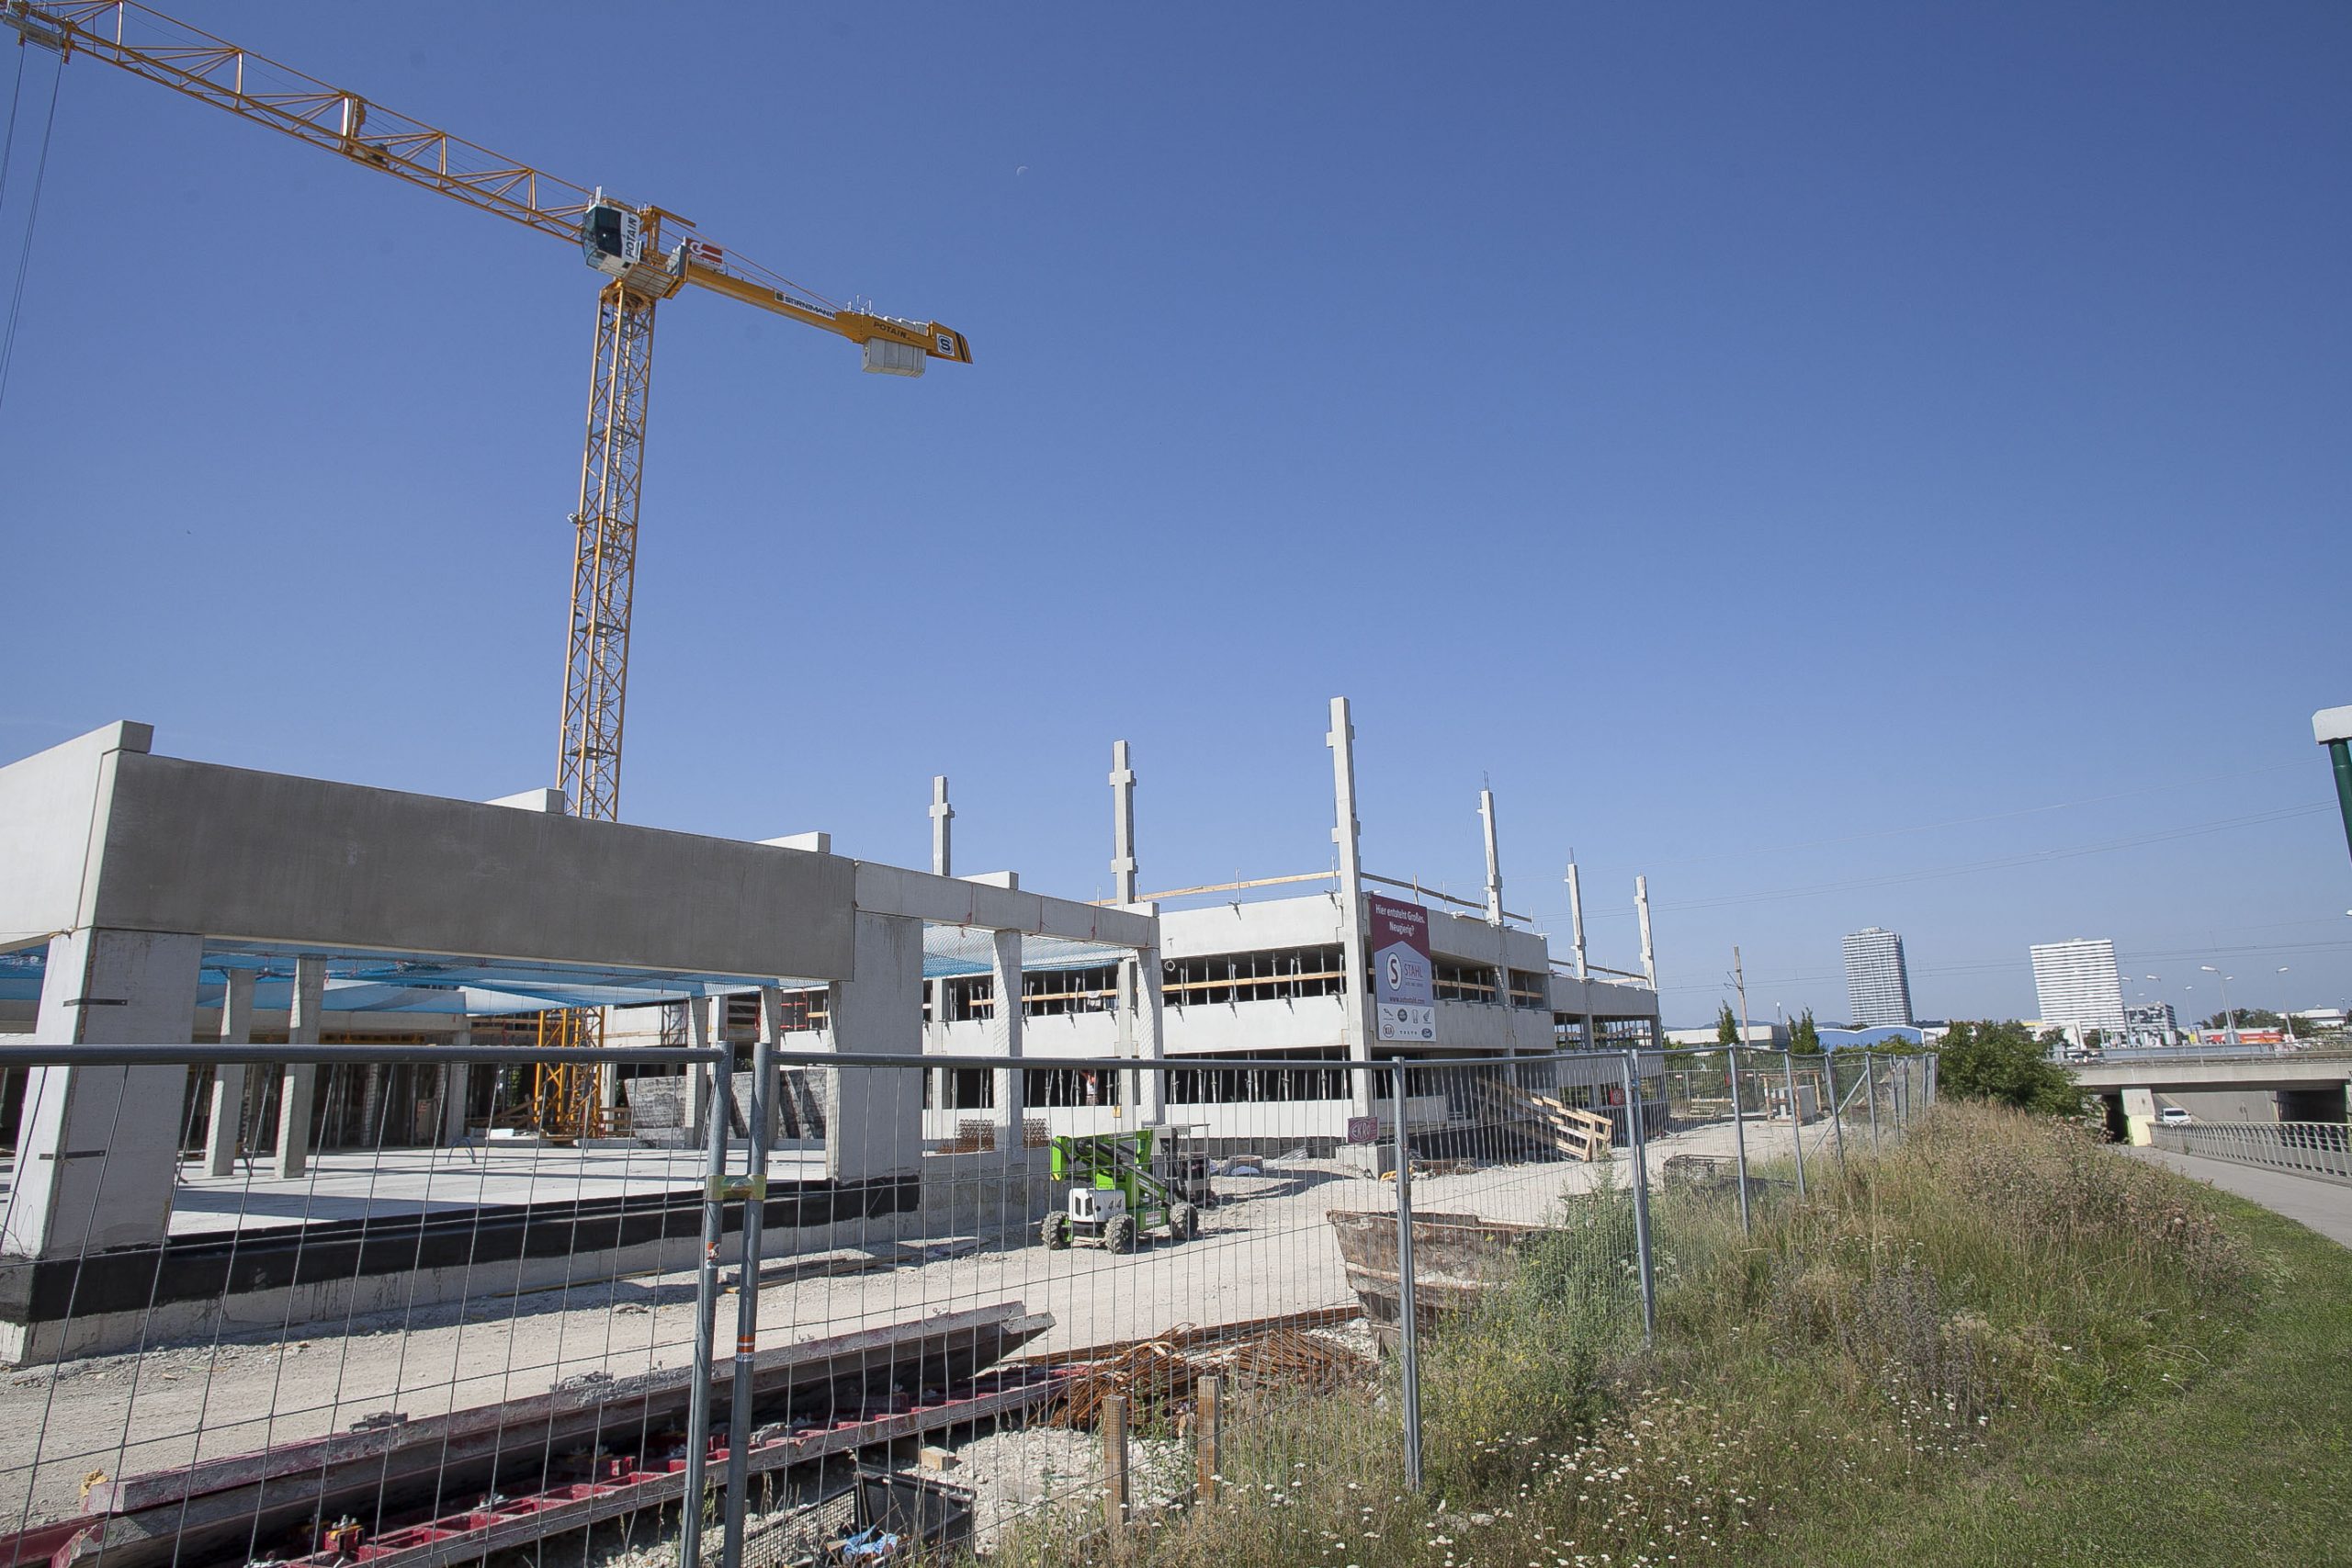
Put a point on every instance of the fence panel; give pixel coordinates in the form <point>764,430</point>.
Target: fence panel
<point>2305,1149</point>
<point>371,1314</point>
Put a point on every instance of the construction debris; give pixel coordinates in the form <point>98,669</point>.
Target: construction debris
<point>1160,1373</point>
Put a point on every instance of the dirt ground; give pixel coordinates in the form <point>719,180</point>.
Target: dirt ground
<point>1265,1249</point>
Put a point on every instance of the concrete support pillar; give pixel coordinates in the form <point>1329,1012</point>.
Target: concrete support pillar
<point>1151,1094</point>
<point>457,1084</point>
<point>1004,1037</point>
<point>771,1094</point>
<point>699,1014</point>
<point>371,1104</point>
<point>97,1148</point>
<point>943,859</point>
<point>1346,834</point>
<point>874,1116</point>
<point>1575,919</point>
<point>296,1088</point>
<point>1137,1038</point>
<point>1494,861</point>
<point>224,1134</point>
<point>1649,953</point>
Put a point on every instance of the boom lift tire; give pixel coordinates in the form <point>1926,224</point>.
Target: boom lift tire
<point>1054,1231</point>
<point>1119,1236</point>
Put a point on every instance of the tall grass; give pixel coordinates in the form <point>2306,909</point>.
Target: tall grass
<point>1990,1277</point>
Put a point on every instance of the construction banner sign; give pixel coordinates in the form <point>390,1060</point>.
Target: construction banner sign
<point>1401,972</point>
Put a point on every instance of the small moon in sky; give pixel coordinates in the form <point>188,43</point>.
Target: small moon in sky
<point>1021,170</point>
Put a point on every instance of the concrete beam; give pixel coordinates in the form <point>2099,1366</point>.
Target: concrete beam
<point>98,833</point>
<point>961,901</point>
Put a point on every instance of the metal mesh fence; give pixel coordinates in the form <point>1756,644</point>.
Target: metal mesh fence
<point>2306,1148</point>
<point>763,1301</point>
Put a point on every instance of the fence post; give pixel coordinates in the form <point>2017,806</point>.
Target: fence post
<point>1739,1139</point>
<point>714,1227</point>
<point>1114,1463</point>
<point>1407,1312</point>
<point>747,1298</point>
<point>1796,1113</point>
<point>1837,1110</point>
<point>1208,1422</point>
<point>1869,1077</point>
<point>1630,1062</point>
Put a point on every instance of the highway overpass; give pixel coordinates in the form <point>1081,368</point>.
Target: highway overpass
<point>2256,1084</point>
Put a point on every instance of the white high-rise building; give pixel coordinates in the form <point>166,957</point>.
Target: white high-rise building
<point>2076,983</point>
<point>1878,987</point>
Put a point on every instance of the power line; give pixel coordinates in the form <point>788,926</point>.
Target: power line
<point>32,213</point>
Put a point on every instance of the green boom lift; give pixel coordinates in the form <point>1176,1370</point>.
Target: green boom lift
<point>1114,1194</point>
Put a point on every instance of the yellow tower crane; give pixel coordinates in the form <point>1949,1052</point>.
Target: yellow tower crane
<point>645,254</point>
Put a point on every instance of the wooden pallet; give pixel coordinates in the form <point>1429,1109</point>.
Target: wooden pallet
<point>1575,1131</point>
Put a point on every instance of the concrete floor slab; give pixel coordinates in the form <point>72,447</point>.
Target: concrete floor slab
<point>361,1184</point>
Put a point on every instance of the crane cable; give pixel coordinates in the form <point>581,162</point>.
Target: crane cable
<point>32,209</point>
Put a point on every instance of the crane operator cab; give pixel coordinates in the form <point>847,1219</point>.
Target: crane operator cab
<point>612,238</point>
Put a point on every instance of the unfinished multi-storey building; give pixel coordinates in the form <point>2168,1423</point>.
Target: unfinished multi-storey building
<point>1275,971</point>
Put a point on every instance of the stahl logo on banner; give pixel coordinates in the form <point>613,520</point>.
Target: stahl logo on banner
<point>1401,970</point>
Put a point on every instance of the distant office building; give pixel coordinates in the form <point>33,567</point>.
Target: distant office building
<point>1878,988</point>
<point>2153,1024</point>
<point>2076,983</point>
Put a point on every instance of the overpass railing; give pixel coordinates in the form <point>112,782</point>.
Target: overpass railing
<point>2307,1148</point>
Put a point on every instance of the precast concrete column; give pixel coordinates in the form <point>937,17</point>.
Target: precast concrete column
<point>456,1083</point>
<point>1649,953</point>
<point>699,1032</point>
<point>1575,919</point>
<point>1493,866</point>
<point>97,1148</point>
<point>942,862</point>
<point>874,1116</point>
<point>223,1131</point>
<point>1151,1097</point>
<point>770,1094</point>
<point>296,1088</point>
<point>1346,834</point>
<point>1004,1036</point>
<point>1133,977</point>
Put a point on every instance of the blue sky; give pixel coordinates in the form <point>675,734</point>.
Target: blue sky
<point>1793,452</point>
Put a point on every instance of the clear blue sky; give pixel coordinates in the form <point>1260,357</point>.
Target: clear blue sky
<point>1782,448</point>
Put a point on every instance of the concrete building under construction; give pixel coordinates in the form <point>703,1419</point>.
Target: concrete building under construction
<point>150,900</point>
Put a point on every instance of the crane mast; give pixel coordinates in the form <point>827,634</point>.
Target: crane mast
<point>626,243</point>
<point>604,556</point>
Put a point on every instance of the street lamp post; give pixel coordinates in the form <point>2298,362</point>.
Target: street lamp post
<point>2228,1019</point>
<point>2331,727</point>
